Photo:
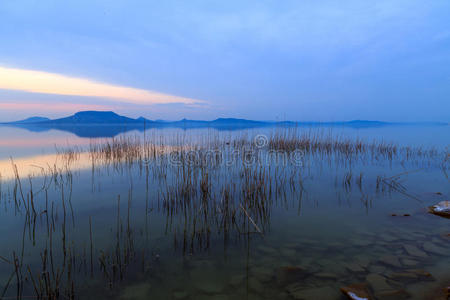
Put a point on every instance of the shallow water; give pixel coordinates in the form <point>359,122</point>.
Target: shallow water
<point>319,230</point>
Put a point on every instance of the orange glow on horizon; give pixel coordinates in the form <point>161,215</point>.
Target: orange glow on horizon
<point>34,165</point>
<point>51,83</point>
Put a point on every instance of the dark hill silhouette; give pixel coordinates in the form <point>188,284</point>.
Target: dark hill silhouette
<point>94,117</point>
<point>109,124</point>
<point>31,120</point>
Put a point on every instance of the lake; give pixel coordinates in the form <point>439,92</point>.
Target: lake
<point>259,213</point>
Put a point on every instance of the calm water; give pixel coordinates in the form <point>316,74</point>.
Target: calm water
<point>162,229</point>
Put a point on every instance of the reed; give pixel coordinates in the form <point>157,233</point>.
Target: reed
<point>216,189</point>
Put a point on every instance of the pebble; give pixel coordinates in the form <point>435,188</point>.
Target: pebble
<point>355,268</point>
<point>323,293</point>
<point>409,262</point>
<point>441,209</point>
<point>357,291</point>
<point>390,260</point>
<point>403,276</point>
<point>378,282</point>
<point>430,247</point>
<point>414,251</point>
<point>393,295</point>
<point>287,275</point>
<point>324,275</point>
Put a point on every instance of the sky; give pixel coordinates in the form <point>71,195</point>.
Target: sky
<point>295,60</point>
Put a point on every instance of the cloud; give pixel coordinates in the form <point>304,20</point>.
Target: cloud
<point>51,107</point>
<point>57,84</point>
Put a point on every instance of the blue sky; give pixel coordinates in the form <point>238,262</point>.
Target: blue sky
<point>268,60</point>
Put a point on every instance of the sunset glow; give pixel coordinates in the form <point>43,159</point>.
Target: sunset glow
<point>57,84</point>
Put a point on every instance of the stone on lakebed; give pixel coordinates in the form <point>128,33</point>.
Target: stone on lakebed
<point>323,293</point>
<point>290,274</point>
<point>358,291</point>
<point>441,209</point>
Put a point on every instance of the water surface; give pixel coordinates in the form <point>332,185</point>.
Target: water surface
<point>147,224</point>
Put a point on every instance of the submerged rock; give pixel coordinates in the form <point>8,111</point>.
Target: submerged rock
<point>326,276</point>
<point>361,242</point>
<point>378,269</point>
<point>435,249</point>
<point>394,295</point>
<point>403,277</point>
<point>421,274</point>
<point>291,274</point>
<point>441,209</point>
<point>415,251</point>
<point>354,268</point>
<point>446,291</point>
<point>358,291</point>
<point>323,293</point>
<point>388,237</point>
<point>442,294</point>
<point>378,283</point>
<point>409,262</point>
<point>391,261</point>
<point>136,292</point>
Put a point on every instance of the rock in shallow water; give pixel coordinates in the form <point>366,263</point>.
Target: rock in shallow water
<point>435,249</point>
<point>441,209</point>
<point>378,283</point>
<point>287,275</point>
<point>442,294</point>
<point>323,293</point>
<point>391,261</point>
<point>403,276</point>
<point>393,295</point>
<point>421,274</point>
<point>354,268</point>
<point>409,262</point>
<point>357,291</point>
<point>414,251</point>
<point>326,276</point>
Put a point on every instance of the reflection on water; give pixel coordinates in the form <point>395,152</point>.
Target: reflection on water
<point>163,218</point>
<point>38,165</point>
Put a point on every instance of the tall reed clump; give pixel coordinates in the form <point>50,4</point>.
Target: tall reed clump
<point>207,188</point>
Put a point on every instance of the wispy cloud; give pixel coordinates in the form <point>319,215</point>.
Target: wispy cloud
<point>57,84</point>
<point>51,107</point>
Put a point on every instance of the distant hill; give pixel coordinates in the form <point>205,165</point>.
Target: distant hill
<point>94,117</point>
<point>109,124</point>
<point>32,120</point>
